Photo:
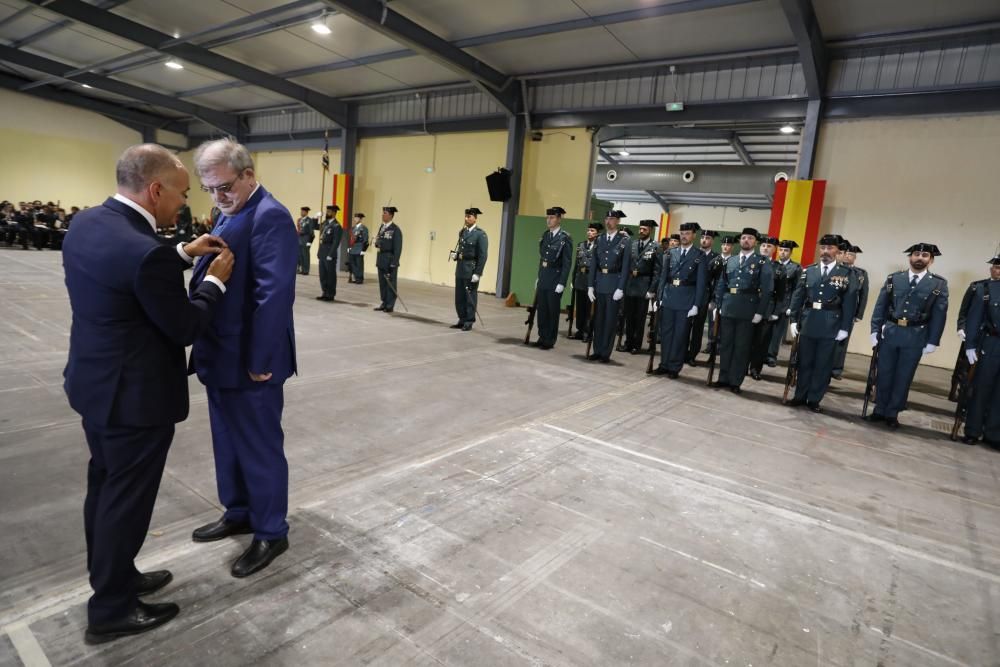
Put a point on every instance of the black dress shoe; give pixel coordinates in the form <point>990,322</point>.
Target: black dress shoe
<point>577,336</point>
<point>970,439</point>
<point>379,308</point>
<point>814,407</point>
<point>659,371</point>
<point>736,390</point>
<point>771,363</point>
<point>150,582</point>
<point>837,376</point>
<point>795,402</point>
<point>535,343</point>
<point>719,385</point>
<point>541,346</point>
<point>605,360</point>
<point>874,418</point>
<point>673,375</point>
<point>144,618</point>
<point>456,325</point>
<point>219,530</point>
<point>755,375</point>
<point>387,310</point>
<point>321,298</point>
<point>892,423</point>
<point>693,363</point>
<point>594,357</point>
<point>633,351</point>
<point>258,556</point>
<point>468,327</point>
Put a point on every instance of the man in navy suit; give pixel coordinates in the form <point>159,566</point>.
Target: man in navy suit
<point>126,374</point>
<point>244,358</point>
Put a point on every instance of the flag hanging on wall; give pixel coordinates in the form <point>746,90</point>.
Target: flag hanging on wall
<point>664,226</point>
<point>341,197</point>
<point>795,216</point>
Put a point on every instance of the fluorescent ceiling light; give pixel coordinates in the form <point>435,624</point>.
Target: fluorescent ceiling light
<point>624,153</point>
<point>173,64</point>
<point>321,28</point>
<point>86,85</point>
<point>787,129</point>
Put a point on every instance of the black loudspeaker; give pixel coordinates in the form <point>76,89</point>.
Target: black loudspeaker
<point>498,183</point>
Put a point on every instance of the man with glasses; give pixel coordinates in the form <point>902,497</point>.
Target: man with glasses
<point>247,355</point>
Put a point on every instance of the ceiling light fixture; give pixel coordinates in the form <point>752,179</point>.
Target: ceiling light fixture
<point>624,153</point>
<point>320,27</point>
<point>787,129</point>
<point>86,85</point>
<point>173,64</point>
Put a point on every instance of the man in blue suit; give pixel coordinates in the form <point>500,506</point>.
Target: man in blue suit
<point>907,323</point>
<point>244,358</point>
<point>126,374</point>
<point>681,291</point>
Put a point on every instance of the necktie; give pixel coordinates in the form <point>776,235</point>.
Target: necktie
<point>826,270</point>
<point>743,260</point>
<point>913,282</point>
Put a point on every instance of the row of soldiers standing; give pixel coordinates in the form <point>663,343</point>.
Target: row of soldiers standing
<point>331,234</point>
<point>750,300</point>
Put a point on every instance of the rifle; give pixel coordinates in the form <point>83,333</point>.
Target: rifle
<point>590,327</point>
<point>964,397</point>
<point>872,377</point>
<point>388,282</point>
<point>472,302</point>
<point>653,333</point>
<point>569,313</point>
<point>792,377</point>
<point>621,322</point>
<point>714,339</point>
<point>531,318</point>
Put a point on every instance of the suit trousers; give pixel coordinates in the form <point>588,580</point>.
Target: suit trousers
<point>777,337</point>
<point>674,325</point>
<point>697,333</point>
<point>547,315</point>
<point>387,286</point>
<point>735,337</point>
<point>581,302</point>
<point>897,364</point>
<point>840,356</point>
<point>816,357</point>
<point>356,265</point>
<point>328,270</point>
<point>304,259</point>
<point>983,417</point>
<point>605,325</point>
<point>636,308</point>
<point>466,300</point>
<point>250,467</point>
<point>123,477</point>
<point>762,333</point>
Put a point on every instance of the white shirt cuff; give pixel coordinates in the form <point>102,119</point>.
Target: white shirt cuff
<point>186,257</point>
<point>216,281</point>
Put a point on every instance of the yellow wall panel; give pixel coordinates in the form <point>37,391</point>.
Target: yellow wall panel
<point>556,172</point>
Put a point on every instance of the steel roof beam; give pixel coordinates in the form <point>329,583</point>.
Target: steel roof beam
<point>809,41</point>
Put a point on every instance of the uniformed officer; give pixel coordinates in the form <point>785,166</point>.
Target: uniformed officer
<point>982,348</point>
<point>697,329</point>
<point>330,235</point>
<point>389,242</point>
<point>907,323</point>
<point>681,294</point>
<point>644,258</point>
<point>609,270</point>
<point>555,258</point>
<point>962,362</point>
<point>580,272</point>
<point>357,244</point>
<point>762,331</point>
<point>792,271</point>
<point>674,241</point>
<point>470,260</point>
<point>847,256</point>
<point>306,227</point>
<point>715,269</point>
<point>743,295</point>
<point>822,314</point>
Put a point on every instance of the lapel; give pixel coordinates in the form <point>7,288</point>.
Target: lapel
<point>134,217</point>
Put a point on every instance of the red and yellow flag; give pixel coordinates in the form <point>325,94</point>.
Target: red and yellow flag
<point>664,226</point>
<point>795,216</point>
<point>341,197</point>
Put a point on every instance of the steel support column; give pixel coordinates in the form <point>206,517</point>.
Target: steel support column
<point>514,162</point>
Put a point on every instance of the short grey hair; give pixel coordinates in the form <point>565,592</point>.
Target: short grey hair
<point>226,151</point>
<point>142,164</point>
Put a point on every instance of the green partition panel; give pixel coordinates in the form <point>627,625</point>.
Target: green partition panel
<point>528,230</point>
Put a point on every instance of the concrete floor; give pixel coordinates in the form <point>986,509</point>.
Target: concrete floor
<point>457,498</point>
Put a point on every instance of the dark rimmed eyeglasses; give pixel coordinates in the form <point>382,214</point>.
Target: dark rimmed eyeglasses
<point>224,188</point>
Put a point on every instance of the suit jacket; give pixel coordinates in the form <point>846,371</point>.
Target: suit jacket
<point>554,259</point>
<point>359,240</point>
<point>924,308</point>
<point>472,249</point>
<point>389,242</point>
<point>307,230</point>
<point>131,320</point>
<point>330,235</point>
<point>837,296</point>
<point>581,268</point>
<point>253,331</point>
<point>963,310</point>
<point>645,273</point>
<point>793,273</point>
<point>744,292</point>
<point>610,263</point>
<point>682,281</point>
<point>983,313</point>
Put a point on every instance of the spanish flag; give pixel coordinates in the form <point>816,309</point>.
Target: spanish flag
<point>664,226</point>
<point>795,216</point>
<point>341,197</point>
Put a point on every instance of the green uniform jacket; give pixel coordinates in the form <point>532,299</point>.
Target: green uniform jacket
<point>744,292</point>
<point>471,250</point>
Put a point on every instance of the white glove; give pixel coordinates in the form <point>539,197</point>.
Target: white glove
<point>961,335</point>
<point>757,318</point>
<point>874,339</point>
<point>841,335</point>
<point>712,307</point>
<point>773,318</point>
<point>309,245</point>
<point>617,296</point>
<point>590,294</point>
<point>560,288</point>
<point>971,354</point>
<point>788,313</point>
<point>693,311</point>
<point>929,348</point>
<point>794,328</point>
<point>649,295</point>
<point>475,278</point>
<point>329,259</point>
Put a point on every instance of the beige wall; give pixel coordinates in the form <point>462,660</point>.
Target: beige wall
<point>432,202</point>
<point>58,153</point>
<point>556,172</point>
<point>720,218</point>
<point>895,182</point>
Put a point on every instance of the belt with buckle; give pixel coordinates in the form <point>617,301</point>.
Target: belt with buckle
<point>583,269</point>
<point>819,305</point>
<point>737,290</point>
<point>604,270</point>
<point>635,273</point>
<point>904,322</point>
<point>545,265</point>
